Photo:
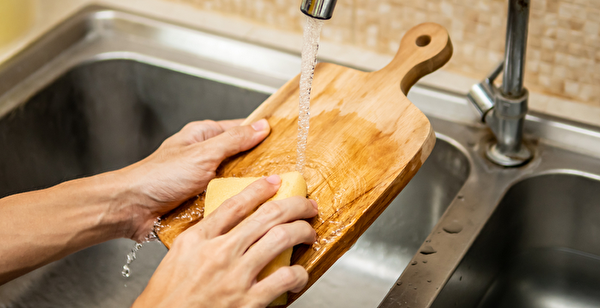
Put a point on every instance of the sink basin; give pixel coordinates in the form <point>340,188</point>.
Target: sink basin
<point>105,115</point>
<point>111,108</point>
<point>539,249</point>
<point>97,117</point>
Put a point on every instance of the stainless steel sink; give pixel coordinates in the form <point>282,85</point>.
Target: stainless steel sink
<point>539,249</point>
<point>110,97</point>
<point>100,116</point>
<point>103,89</point>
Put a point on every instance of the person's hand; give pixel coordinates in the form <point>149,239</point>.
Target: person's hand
<point>182,167</point>
<point>215,262</point>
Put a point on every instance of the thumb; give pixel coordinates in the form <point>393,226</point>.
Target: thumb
<point>235,140</point>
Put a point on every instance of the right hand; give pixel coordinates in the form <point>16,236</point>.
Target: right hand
<point>215,262</point>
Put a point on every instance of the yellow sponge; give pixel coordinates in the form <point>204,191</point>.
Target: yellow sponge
<point>219,190</point>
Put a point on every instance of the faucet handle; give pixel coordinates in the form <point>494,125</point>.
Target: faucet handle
<point>495,73</point>
<point>482,94</point>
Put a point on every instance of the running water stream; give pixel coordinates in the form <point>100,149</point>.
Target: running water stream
<point>310,47</point>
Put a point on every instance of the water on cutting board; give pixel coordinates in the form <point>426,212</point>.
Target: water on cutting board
<point>310,47</point>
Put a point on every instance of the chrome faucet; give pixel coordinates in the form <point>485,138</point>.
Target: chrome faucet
<point>320,9</point>
<point>503,109</point>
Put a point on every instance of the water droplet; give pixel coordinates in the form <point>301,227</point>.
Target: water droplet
<point>452,227</point>
<point>413,263</point>
<point>131,256</point>
<point>126,272</point>
<point>427,250</point>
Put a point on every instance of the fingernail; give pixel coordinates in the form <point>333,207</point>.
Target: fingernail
<point>260,125</point>
<point>314,203</point>
<point>273,179</point>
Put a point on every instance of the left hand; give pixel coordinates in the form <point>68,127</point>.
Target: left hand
<point>182,167</point>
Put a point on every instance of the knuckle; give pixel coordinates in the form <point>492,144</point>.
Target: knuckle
<point>235,206</point>
<point>209,123</point>
<point>236,134</point>
<point>280,235</point>
<point>301,202</point>
<point>222,248</point>
<point>272,208</point>
<point>307,204</point>
<point>188,238</point>
<point>302,275</point>
<point>291,277</point>
<point>260,186</point>
<point>190,126</point>
<point>307,229</point>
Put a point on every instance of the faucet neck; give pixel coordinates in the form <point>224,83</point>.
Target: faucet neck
<point>516,44</point>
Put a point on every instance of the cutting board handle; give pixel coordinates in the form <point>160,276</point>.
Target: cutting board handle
<point>423,49</point>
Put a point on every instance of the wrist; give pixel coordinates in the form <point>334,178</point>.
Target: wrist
<point>133,206</point>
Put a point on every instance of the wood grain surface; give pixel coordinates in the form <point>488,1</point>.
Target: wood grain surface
<point>366,142</point>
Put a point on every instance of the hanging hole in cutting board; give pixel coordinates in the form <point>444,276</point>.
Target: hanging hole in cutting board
<point>423,40</point>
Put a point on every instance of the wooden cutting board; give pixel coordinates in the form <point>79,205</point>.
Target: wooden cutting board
<point>366,142</point>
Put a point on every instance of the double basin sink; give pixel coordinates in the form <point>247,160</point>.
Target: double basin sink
<point>105,88</point>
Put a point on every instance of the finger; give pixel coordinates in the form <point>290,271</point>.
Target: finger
<point>238,207</point>
<point>276,241</point>
<point>271,214</point>
<point>235,140</point>
<point>197,131</point>
<point>227,124</point>
<point>288,278</point>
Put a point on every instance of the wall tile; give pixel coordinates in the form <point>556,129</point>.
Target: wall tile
<point>563,56</point>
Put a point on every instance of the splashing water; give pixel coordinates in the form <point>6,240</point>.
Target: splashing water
<point>310,47</point>
<point>130,258</point>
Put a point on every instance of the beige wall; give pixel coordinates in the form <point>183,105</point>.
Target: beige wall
<point>563,57</point>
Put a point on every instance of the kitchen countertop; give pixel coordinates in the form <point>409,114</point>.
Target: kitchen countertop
<point>47,14</point>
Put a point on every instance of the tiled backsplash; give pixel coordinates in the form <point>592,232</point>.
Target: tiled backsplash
<point>563,56</point>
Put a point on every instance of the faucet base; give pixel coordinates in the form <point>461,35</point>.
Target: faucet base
<point>514,160</point>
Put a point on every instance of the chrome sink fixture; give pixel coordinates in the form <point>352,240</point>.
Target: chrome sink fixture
<point>504,108</point>
<point>319,9</point>
<point>103,89</point>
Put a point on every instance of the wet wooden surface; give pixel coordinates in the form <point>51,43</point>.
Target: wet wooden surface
<point>366,142</point>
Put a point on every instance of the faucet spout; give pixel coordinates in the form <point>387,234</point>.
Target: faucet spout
<point>319,9</point>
